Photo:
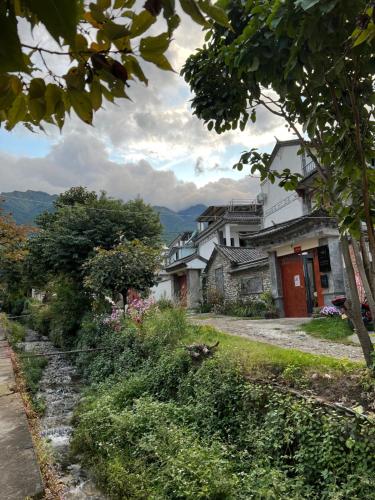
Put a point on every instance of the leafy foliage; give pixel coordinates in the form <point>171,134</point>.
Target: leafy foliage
<point>162,426</point>
<point>13,251</point>
<point>100,44</point>
<point>322,86</point>
<point>82,222</point>
<point>128,265</point>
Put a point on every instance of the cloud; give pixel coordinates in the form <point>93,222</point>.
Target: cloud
<point>84,160</point>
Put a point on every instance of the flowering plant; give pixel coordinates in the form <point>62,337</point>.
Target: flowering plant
<point>329,311</point>
<point>137,308</point>
<point>114,320</point>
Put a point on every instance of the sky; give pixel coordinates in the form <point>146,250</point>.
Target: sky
<point>151,146</point>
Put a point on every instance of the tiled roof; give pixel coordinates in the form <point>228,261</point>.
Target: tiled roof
<point>241,217</point>
<point>184,260</point>
<point>241,255</point>
<point>318,216</point>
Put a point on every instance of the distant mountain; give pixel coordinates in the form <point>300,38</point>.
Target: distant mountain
<point>177,222</point>
<point>25,206</point>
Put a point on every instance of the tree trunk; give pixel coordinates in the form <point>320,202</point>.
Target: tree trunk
<point>369,269</point>
<point>362,273</point>
<point>355,306</point>
<point>124,294</point>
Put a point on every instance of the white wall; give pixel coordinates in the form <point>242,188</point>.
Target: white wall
<point>163,290</point>
<point>206,248</point>
<point>286,157</point>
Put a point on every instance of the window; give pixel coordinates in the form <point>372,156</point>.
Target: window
<point>251,286</point>
<point>219,279</point>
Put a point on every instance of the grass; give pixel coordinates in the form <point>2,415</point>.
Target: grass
<point>255,354</point>
<point>335,329</point>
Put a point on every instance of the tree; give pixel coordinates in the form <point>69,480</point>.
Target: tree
<point>130,265</point>
<point>13,252</point>
<point>82,222</point>
<point>307,62</point>
<point>99,45</point>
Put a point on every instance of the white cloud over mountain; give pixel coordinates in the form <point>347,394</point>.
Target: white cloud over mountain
<point>152,145</point>
<point>84,160</point>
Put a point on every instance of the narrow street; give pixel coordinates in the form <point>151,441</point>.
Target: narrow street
<point>283,332</point>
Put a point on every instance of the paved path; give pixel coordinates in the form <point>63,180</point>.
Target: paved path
<point>283,332</point>
<point>19,470</point>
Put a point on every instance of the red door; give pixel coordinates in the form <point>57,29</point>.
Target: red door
<point>182,289</point>
<point>294,290</point>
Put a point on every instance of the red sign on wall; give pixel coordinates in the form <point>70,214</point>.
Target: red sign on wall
<point>297,249</point>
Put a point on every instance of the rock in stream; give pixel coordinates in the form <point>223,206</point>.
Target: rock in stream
<point>59,388</point>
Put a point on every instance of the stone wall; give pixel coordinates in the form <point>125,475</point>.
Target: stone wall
<point>232,280</point>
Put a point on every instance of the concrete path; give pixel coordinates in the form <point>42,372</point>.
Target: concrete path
<point>20,476</point>
<point>283,332</point>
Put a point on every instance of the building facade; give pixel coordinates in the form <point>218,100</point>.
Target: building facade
<point>237,273</point>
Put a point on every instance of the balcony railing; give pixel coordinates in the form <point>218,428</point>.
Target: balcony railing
<point>309,168</point>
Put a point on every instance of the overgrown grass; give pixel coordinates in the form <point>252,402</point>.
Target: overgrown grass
<point>31,367</point>
<point>15,332</point>
<point>255,354</point>
<point>335,329</point>
<point>160,424</point>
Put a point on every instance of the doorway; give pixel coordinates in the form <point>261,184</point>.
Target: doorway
<point>300,282</point>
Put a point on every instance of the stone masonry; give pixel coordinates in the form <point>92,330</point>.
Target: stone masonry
<point>232,280</point>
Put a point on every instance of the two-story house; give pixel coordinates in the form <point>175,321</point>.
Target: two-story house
<point>302,244</point>
<point>190,252</point>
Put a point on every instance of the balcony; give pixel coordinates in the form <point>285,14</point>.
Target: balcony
<point>309,168</point>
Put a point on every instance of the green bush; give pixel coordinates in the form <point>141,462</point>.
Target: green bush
<point>32,369</point>
<point>164,426</point>
<point>39,316</point>
<point>16,333</point>
<point>68,305</point>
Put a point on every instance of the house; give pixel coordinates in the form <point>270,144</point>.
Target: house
<point>237,273</point>
<point>303,245</point>
<point>190,252</point>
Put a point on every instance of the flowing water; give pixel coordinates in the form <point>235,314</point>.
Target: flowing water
<point>59,388</point>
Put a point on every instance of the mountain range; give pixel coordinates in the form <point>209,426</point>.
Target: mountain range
<point>25,206</point>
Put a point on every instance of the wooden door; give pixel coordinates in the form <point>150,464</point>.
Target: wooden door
<point>182,289</point>
<point>294,287</point>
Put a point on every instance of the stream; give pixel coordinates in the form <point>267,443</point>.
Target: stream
<point>60,389</point>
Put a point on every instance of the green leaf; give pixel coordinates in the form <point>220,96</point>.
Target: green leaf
<point>17,112</point>
<point>191,9</point>
<point>362,37</point>
<point>115,31</point>
<point>11,57</point>
<point>255,64</point>
<point>81,105</point>
<point>307,4</point>
<point>154,44</point>
<point>133,67</point>
<point>215,13</point>
<point>158,59</point>
<point>53,95</point>
<point>60,17</point>
<point>37,88</point>
<point>141,23</point>
<point>37,108</point>
<point>96,95</point>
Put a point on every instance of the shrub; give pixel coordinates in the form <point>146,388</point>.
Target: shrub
<point>68,305</point>
<point>162,426</point>
<point>164,304</point>
<point>146,455</point>
<point>40,316</point>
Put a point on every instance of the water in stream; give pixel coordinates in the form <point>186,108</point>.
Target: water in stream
<point>60,390</point>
